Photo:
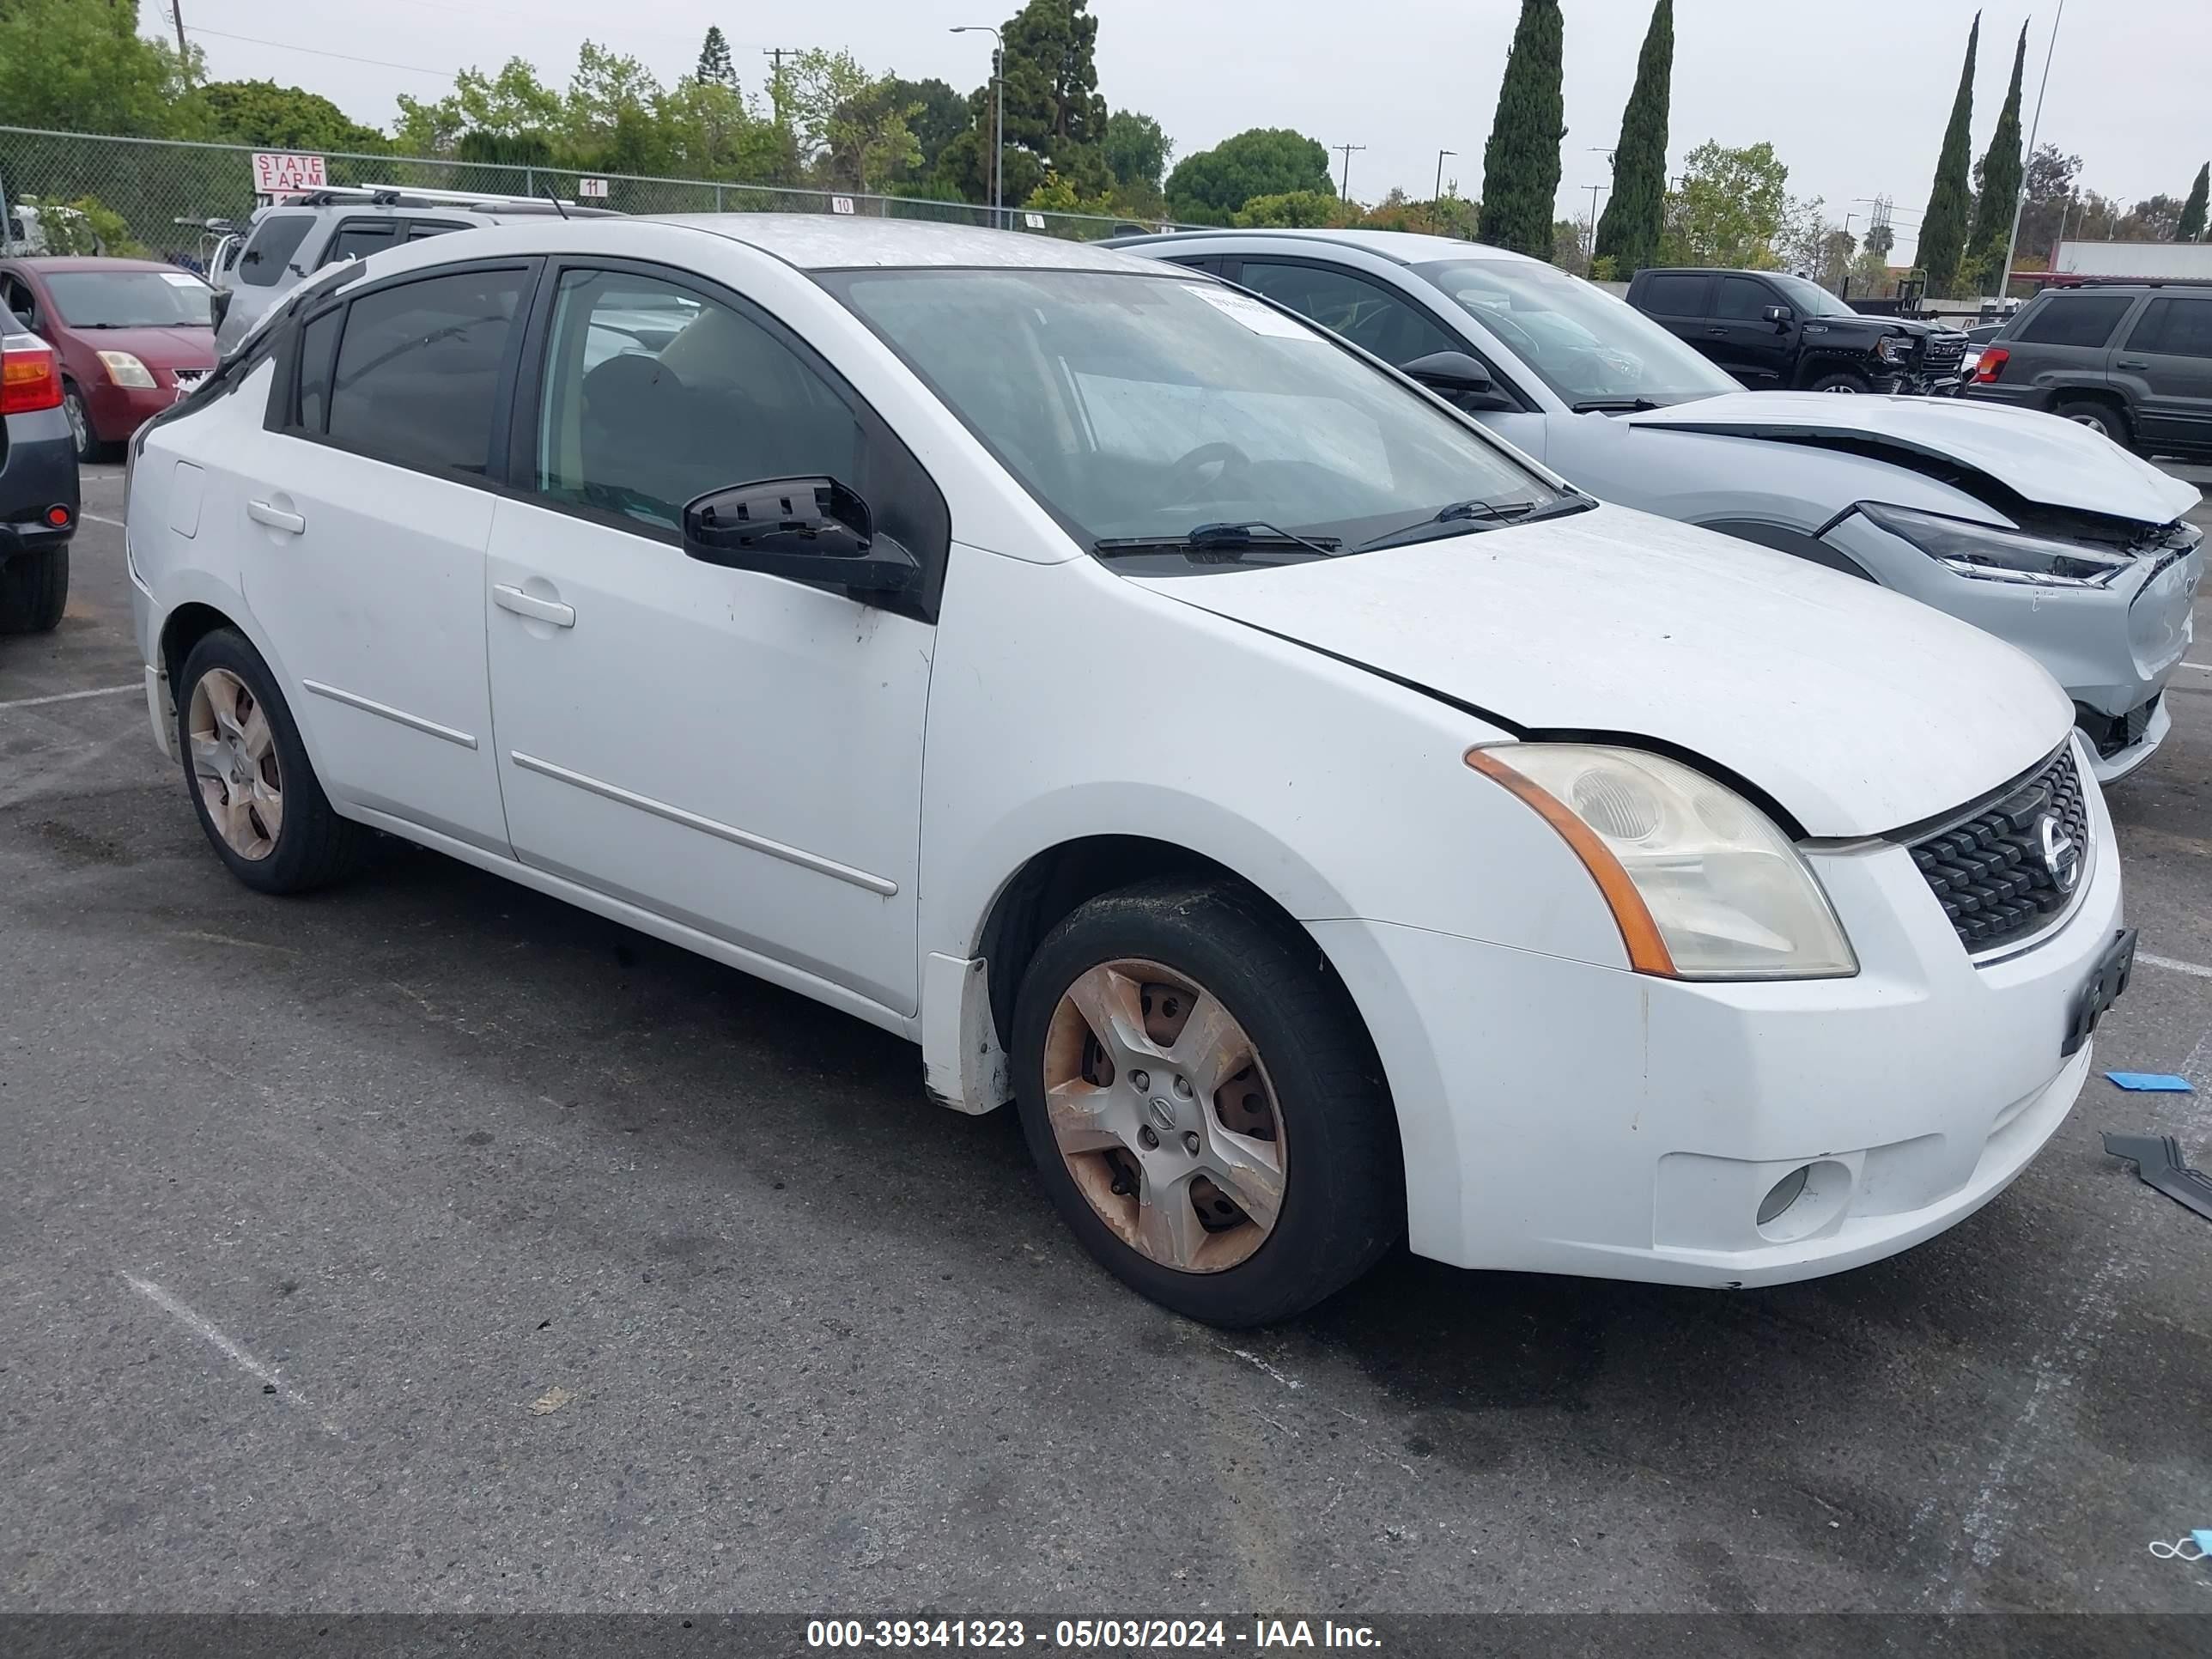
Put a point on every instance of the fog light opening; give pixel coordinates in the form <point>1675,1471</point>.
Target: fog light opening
<point>1810,1198</point>
<point>1780,1196</point>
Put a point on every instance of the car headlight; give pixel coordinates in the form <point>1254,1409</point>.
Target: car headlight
<point>1701,882</point>
<point>124,369</point>
<point>1893,348</point>
<point>1999,555</point>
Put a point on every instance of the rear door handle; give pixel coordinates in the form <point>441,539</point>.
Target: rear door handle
<point>2130,363</point>
<point>276,518</point>
<point>527,604</point>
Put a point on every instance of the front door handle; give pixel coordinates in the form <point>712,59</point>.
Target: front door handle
<point>1716,331</point>
<point>2130,363</point>
<point>528,604</point>
<point>276,518</point>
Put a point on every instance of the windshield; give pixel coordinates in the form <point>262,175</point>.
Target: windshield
<point>1134,406</point>
<point>131,299</point>
<point>1583,342</point>
<point>1810,299</point>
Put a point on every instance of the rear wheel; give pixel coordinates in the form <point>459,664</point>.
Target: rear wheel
<point>1840,379</point>
<point>2095,412</point>
<point>34,591</point>
<point>252,786</point>
<point>1203,1104</point>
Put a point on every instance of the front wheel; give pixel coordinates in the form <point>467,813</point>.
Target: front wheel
<point>80,425</point>
<point>1841,380</point>
<point>1203,1104</point>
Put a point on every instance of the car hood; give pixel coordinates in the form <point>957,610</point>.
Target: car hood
<point>2053,462</point>
<point>1856,710</point>
<point>157,348</point>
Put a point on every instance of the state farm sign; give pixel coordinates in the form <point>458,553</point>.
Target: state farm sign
<point>280,174</point>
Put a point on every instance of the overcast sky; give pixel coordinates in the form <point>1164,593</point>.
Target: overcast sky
<point>1853,94</point>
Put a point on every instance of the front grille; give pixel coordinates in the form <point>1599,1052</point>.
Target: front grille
<point>1943,353</point>
<point>2111,733</point>
<point>1989,873</point>
<point>188,377</point>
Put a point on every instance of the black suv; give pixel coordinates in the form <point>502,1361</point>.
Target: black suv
<point>37,482</point>
<point>2132,359</point>
<point>1778,332</point>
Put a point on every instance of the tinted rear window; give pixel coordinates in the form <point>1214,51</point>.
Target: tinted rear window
<point>2076,320</point>
<point>359,238</point>
<point>1674,296</point>
<point>418,367</point>
<point>270,247</point>
<point>2175,328</point>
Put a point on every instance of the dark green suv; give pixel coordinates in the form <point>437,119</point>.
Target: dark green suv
<point>2132,359</point>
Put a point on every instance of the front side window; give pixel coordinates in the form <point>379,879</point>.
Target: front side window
<point>1588,347</point>
<point>131,299</point>
<point>1141,406</point>
<point>1742,300</point>
<point>1808,298</point>
<point>270,247</point>
<point>2175,328</point>
<point>655,395</point>
<point>418,370</point>
<point>2076,320</point>
<point>1366,313</point>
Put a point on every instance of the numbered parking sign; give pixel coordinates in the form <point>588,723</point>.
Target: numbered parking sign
<point>1034,221</point>
<point>591,189</point>
<point>841,204</point>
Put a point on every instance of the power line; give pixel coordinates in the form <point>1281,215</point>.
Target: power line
<point>317,51</point>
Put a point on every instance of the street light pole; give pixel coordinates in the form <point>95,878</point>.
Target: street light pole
<point>2035,126</point>
<point>998,117</point>
<point>1344,189</point>
<point>1590,256</point>
<point>1440,153</point>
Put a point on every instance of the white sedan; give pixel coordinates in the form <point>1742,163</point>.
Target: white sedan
<point>1324,822</point>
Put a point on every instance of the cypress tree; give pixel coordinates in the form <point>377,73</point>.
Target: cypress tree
<point>2192,210</point>
<point>2000,194</point>
<point>1628,233</point>
<point>1943,226</point>
<point>1520,163</point>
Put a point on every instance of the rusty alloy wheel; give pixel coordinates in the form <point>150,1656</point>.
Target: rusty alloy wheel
<point>1161,1107</point>
<point>234,760</point>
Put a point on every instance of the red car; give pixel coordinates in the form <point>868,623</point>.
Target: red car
<point>133,336</point>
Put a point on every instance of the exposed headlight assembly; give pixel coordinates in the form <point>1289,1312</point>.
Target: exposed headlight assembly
<point>124,369</point>
<point>2003,555</point>
<point>1701,883</point>
<point>1893,347</point>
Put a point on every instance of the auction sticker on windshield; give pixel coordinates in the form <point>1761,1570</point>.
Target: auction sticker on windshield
<point>1260,320</point>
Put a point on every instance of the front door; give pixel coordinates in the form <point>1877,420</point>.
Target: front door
<point>363,516</point>
<point>2168,355</point>
<point>736,752</point>
<point>1743,342</point>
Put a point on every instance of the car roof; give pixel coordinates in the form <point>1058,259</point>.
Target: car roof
<point>1407,247</point>
<point>822,241</point>
<point>49,262</point>
<point>2134,285</point>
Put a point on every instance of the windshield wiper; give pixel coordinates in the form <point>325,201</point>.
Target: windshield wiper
<point>1245,536</point>
<point>1609,405</point>
<point>1462,516</point>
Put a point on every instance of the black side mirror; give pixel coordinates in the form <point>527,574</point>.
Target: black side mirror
<point>1459,378</point>
<point>219,307</point>
<point>806,530</point>
<point>1778,313</point>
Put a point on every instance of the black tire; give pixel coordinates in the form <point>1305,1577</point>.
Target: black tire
<point>314,846</point>
<point>89,449</point>
<point>1343,1200</point>
<point>2096,412</point>
<point>1839,379</point>
<point>34,591</point>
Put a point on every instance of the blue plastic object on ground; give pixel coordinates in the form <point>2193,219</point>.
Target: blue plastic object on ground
<point>2152,1082</point>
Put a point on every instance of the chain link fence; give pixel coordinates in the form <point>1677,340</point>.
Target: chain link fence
<point>150,198</point>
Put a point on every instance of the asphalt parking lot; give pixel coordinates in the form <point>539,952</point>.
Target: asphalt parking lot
<point>304,1204</point>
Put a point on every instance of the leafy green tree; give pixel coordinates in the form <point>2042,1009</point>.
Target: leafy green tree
<point>1137,152</point>
<point>78,67</point>
<point>1726,209</point>
<point>270,117</point>
<point>1207,188</point>
<point>1056,121</point>
<point>87,225</point>
<point>940,115</point>
<point>2191,224</point>
<point>1997,178</point>
<point>1447,216</point>
<point>508,104</point>
<point>1628,232</point>
<point>509,149</point>
<point>715,67</point>
<point>852,127</point>
<point>712,133</point>
<point>1520,163</point>
<point>1297,210</point>
<point>1943,226</point>
<point>610,116</point>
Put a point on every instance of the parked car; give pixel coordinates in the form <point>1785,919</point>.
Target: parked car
<point>37,482</point>
<point>1772,330</point>
<point>2047,536</point>
<point>293,239</point>
<point>49,228</point>
<point>2132,359</point>
<point>1326,822</point>
<point>1976,336</point>
<point>133,336</point>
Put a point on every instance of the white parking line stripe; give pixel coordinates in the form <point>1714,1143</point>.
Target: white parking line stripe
<point>74,696</point>
<point>2196,969</point>
<point>2200,667</point>
<point>230,1350</point>
<point>101,519</point>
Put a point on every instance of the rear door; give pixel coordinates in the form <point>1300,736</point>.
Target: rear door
<point>366,509</point>
<point>2065,341</point>
<point>2167,364</point>
<point>1680,301</point>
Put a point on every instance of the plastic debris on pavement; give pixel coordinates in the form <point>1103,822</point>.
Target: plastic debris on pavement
<point>2152,1082</point>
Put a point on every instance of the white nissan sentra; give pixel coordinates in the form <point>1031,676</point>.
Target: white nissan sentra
<point>1326,824</point>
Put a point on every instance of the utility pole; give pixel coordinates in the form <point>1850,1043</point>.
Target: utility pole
<point>2011,242</point>
<point>1589,251</point>
<point>184,53</point>
<point>1345,189</point>
<point>1440,153</point>
<point>998,117</point>
<point>777,54</point>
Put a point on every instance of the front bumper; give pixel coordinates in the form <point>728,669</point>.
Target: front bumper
<point>118,411</point>
<point>1561,1117</point>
